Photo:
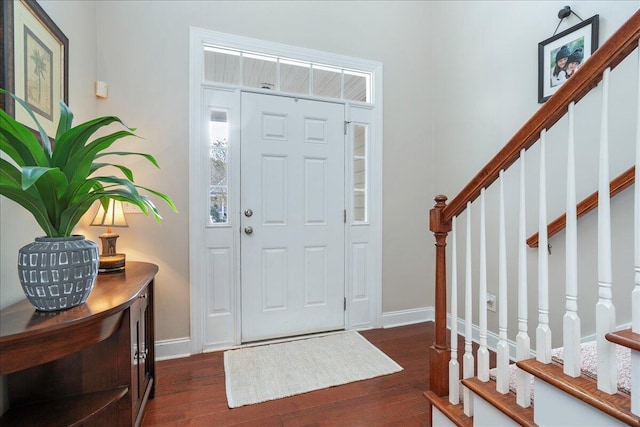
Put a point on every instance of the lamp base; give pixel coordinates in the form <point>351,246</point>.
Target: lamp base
<point>111,263</point>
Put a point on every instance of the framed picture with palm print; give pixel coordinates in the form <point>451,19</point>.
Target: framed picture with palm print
<point>563,54</point>
<point>36,63</point>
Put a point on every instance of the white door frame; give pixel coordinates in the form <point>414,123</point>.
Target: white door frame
<point>363,241</point>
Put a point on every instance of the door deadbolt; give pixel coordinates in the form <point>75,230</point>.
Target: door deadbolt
<point>248,230</point>
<point>248,213</point>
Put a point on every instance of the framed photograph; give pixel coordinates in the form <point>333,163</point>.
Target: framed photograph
<point>36,63</point>
<point>562,55</point>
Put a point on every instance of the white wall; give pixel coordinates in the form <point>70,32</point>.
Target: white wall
<point>485,87</point>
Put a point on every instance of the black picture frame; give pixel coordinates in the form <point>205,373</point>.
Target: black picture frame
<point>26,26</point>
<point>577,43</point>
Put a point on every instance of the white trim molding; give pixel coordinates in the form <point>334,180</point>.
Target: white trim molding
<point>393,319</point>
<point>173,349</point>
<point>364,297</point>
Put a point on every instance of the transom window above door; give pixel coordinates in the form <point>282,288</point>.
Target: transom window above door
<point>243,68</point>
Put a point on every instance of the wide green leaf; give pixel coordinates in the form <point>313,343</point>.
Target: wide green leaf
<point>66,120</point>
<point>114,180</point>
<point>11,187</point>
<point>69,143</point>
<point>126,153</point>
<point>46,143</point>
<point>15,138</point>
<point>163,196</point>
<point>72,214</point>
<point>31,174</point>
<point>125,170</point>
<point>79,164</point>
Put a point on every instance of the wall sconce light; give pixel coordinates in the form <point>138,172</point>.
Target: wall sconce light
<point>110,260</point>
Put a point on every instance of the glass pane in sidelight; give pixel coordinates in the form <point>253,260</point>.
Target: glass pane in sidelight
<point>359,140</point>
<point>359,206</point>
<point>218,205</point>
<point>360,173</point>
<point>218,166</point>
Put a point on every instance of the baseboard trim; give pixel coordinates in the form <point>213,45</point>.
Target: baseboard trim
<point>181,347</point>
<point>393,319</point>
<point>492,338</point>
<point>173,349</point>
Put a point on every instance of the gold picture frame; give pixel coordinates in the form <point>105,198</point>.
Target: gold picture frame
<point>36,63</point>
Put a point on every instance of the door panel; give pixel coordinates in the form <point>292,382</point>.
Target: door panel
<point>292,244</point>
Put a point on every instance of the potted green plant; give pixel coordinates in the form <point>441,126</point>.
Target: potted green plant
<point>57,183</point>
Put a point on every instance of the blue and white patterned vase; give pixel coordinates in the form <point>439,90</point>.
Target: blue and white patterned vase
<point>58,273</point>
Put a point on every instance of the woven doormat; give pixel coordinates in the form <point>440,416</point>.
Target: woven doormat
<point>259,374</point>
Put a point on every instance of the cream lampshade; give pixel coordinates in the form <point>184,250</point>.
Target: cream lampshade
<point>110,260</point>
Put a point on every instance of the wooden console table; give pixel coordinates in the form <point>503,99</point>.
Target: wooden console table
<point>92,364</point>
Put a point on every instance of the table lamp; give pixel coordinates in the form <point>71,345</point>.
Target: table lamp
<point>110,260</point>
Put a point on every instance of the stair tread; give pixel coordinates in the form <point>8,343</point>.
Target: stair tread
<point>584,388</point>
<point>626,338</point>
<point>505,403</point>
<point>454,412</point>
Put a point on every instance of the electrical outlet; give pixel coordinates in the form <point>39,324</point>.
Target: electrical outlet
<point>491,302</point>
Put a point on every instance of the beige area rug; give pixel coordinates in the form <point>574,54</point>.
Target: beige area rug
<point>268,372</point>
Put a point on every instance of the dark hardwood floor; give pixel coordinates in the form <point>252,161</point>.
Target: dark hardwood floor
<point>191,392</point>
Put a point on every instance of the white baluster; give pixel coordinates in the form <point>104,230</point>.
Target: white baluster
<point>454,366</point>
<point>468,359</point>
<point>523,342</point>
<point>502,353</point>
<point>543,333</point>
<point>605,310</point>
<point>635,295</point>
<point>571,320</point>
<point>483,352</point>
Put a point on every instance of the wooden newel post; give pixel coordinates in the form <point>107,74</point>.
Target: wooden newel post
<point>439,354</point>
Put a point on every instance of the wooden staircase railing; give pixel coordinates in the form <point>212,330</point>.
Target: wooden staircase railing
<point>608,56</point>
<point>618,184</point>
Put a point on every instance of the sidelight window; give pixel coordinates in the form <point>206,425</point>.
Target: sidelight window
<point>218,162</point>
<point>360,142</point>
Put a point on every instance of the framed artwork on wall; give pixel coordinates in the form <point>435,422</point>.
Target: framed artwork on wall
<point>35,67</point>
<point>560,56</point>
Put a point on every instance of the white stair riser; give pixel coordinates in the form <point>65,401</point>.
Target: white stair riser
<point>438,419</point>
<point>486,415</point>
<point>553,407</point>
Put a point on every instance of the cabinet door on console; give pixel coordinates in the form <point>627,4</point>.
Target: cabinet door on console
<point>139,351</point>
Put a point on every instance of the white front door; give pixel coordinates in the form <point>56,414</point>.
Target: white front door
<point>292,227</point>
